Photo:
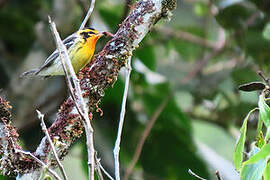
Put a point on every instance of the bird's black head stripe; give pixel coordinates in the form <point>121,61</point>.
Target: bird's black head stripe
<point>89,28</point>
<point>85,35</point>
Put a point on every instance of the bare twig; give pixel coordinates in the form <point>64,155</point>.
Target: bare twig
<point>44,128</point>
<point>218,175</point>
<point>221,46</point>
<point>105,172</point>
<point>216,51</point>
<point>98,76</point>
<point>88,14</point>
<point>100,168</point>
<point>195,175</point>
<point>186,36</point>
<point>40,162</point>
<point>73,81</point>
<point>121,122</point>
<point>99,173</point>
<point>144,135</point>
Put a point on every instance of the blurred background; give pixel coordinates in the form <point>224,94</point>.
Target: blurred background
<point>185,78</point>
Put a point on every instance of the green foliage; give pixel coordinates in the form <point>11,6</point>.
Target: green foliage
<point>253,171</point>
<point>264,111</point>
<point>17,28</point>
<point>263,153</point>
<point>266,173</point>
<point>256,165</point>
<point>211,84</point>
<point>239,149</point>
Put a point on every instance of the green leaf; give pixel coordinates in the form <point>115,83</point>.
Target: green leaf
<point>266,32</point>
<point>263,153</point>
<point>238,153</point>
<point>266,174</point>
<point>253,171</point>
<point>260,142</point>
<point>264,111</point>
<point>259,126</point>
<point>233,16</point>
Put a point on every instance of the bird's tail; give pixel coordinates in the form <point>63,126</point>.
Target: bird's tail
<point>30,73</point>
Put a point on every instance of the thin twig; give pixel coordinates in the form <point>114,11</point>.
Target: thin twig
<point>44,128</point>
<point>121,122</point>
<point>105,172</point>
<point>73,81</point>
<point>100,168</point>
<point>221,46</point>
<point>97,162</point>
<point>218,175</point>
<point>90,10</point>
<point>144,135</point>
<point>186,36</point>
<point>195,175</point>
<point>40,162</point>
<point>99,173</point>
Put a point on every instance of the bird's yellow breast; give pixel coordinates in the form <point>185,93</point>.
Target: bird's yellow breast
<point>82,55</point>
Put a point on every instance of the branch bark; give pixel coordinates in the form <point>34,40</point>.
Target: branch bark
<point>94,79</point>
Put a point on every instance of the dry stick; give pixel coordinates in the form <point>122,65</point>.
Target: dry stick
<point>78,99</point>
<point>218,175</point>
<point>40,162</point>
<point>88,14</point>
<point>218,50</point>
<point>195,175</point>
<point>121,122</point>
<point>205,60</point>
<point>99,173</point>
<point>44,128</point>
<point>105,172</point>
<point>186,36</point>
<point>144,135</point>
<point>99,167</point>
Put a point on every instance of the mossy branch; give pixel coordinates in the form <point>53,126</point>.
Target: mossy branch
<point>94,80</point>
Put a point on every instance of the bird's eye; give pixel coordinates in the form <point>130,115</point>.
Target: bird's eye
<point>91,32</point>
<point>85,35</point>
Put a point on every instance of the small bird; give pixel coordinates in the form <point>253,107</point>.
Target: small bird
<point>80,46</point>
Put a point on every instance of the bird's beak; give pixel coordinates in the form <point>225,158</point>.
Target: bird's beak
<point>100,35</point>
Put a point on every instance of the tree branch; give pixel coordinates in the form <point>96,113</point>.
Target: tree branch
<point>88,14</point>
<point>94,79</point>
<point>144,135</point>
<point>76,94</point>
<point>44,128</point>
<point>121,122</point>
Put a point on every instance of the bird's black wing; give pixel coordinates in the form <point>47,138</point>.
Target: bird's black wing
<point>68,42</point>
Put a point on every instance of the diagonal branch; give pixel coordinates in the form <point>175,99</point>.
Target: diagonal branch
<point>94,80</point>
<point>44,128</point>
<point>76,94</point>
<point>144,135</point>
<point>88,14</point>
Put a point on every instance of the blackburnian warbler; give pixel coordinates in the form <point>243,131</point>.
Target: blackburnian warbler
<point>80,46</point>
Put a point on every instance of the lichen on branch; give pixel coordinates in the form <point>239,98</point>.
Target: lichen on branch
<point>11,162</point>
<point>100,75</point>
